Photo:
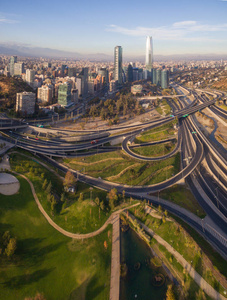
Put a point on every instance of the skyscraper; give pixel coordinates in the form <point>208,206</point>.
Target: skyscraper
<point>149,53</point>
<point>13,60</point>
<point>164,79</point>
<point>118,64</point>
<point>64,94</point>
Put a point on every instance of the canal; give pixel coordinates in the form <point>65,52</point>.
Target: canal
<point>137,284</point>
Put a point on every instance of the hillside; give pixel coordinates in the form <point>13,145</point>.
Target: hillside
<point>9,86</point>
<point>221,84</point>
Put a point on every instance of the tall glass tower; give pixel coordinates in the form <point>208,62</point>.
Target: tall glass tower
<point>118,64</point>
<point>149,53</point>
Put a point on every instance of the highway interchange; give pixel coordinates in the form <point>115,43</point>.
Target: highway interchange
<point>203,166</point>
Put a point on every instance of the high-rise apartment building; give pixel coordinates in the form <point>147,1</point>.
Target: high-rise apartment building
<point>45,94</point>
<point>25,103</point>
<point>30,76</point>
<point>118,64</point>
<point>13,60</point>
<point>149,53</point>
<point>19,69</point>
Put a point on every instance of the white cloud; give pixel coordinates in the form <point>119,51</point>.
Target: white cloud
<point>8,18</point>
<point>176,31</point>
<point>8,21</point>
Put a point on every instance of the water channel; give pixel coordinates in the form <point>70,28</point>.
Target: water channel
<point>137,284</point>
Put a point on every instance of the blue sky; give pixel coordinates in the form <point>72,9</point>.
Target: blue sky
<point>177,27</point>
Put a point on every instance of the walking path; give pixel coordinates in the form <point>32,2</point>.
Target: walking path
<point>206,287</point>
<point>115,260</point>
<point>61,230</point>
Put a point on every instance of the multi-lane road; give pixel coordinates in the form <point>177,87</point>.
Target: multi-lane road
<point>207,180</point>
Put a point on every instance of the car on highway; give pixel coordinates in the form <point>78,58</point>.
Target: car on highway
<point>94,142</point>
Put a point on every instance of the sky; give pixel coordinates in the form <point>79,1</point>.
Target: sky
<point>88,27</point>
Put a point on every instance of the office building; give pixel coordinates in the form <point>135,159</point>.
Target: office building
<point>164,79</point>
<point>129,73</point>
<point>64,94</point>
<point>74,94</point>
<point>118,64</point>
<point>25,103</point>
<point>154,76</point>
<point>13,60</point>
<point>149,54</point>
<point>82,83</point>
<point>45,94</point>
<point>158,77</point>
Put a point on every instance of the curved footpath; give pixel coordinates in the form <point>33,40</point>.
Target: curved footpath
<point>206,287</point>
<point>67,233</point>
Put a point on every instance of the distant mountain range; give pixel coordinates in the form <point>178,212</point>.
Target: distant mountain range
<point>25,51</point>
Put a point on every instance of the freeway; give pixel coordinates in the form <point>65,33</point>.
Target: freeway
<point>194,147</point>
<point>126,148</point>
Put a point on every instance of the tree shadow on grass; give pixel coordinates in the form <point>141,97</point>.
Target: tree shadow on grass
<point>80,291</point>
<point>93,288</point>
<point>4,227</point>
<point>18,281</point>
<point>31,252</point>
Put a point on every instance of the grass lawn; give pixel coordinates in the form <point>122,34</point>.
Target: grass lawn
<point>155,134</point>
<point>45,260</point>
<point>155,150</point>
<point>183,243</point>
<point>183,197</point>
<point>124,169</point>
<point>164,109</point>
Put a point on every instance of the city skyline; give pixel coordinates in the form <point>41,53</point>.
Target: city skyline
<point>180,28</point>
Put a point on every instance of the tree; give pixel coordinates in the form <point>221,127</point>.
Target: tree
<point>102,205</point>
<point>123,195</point>
<point>53,204</point>
<point>38,296</point>
<point>62,197</point>
<point>169,294</point>
<point>70,180</point>
<point>11,247</point>
<point>81,198</point>
<point>6,238</point>
<point>113,198</point>
<point>49,188</point>
<point>44,184</point>
<point>97,201</point>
